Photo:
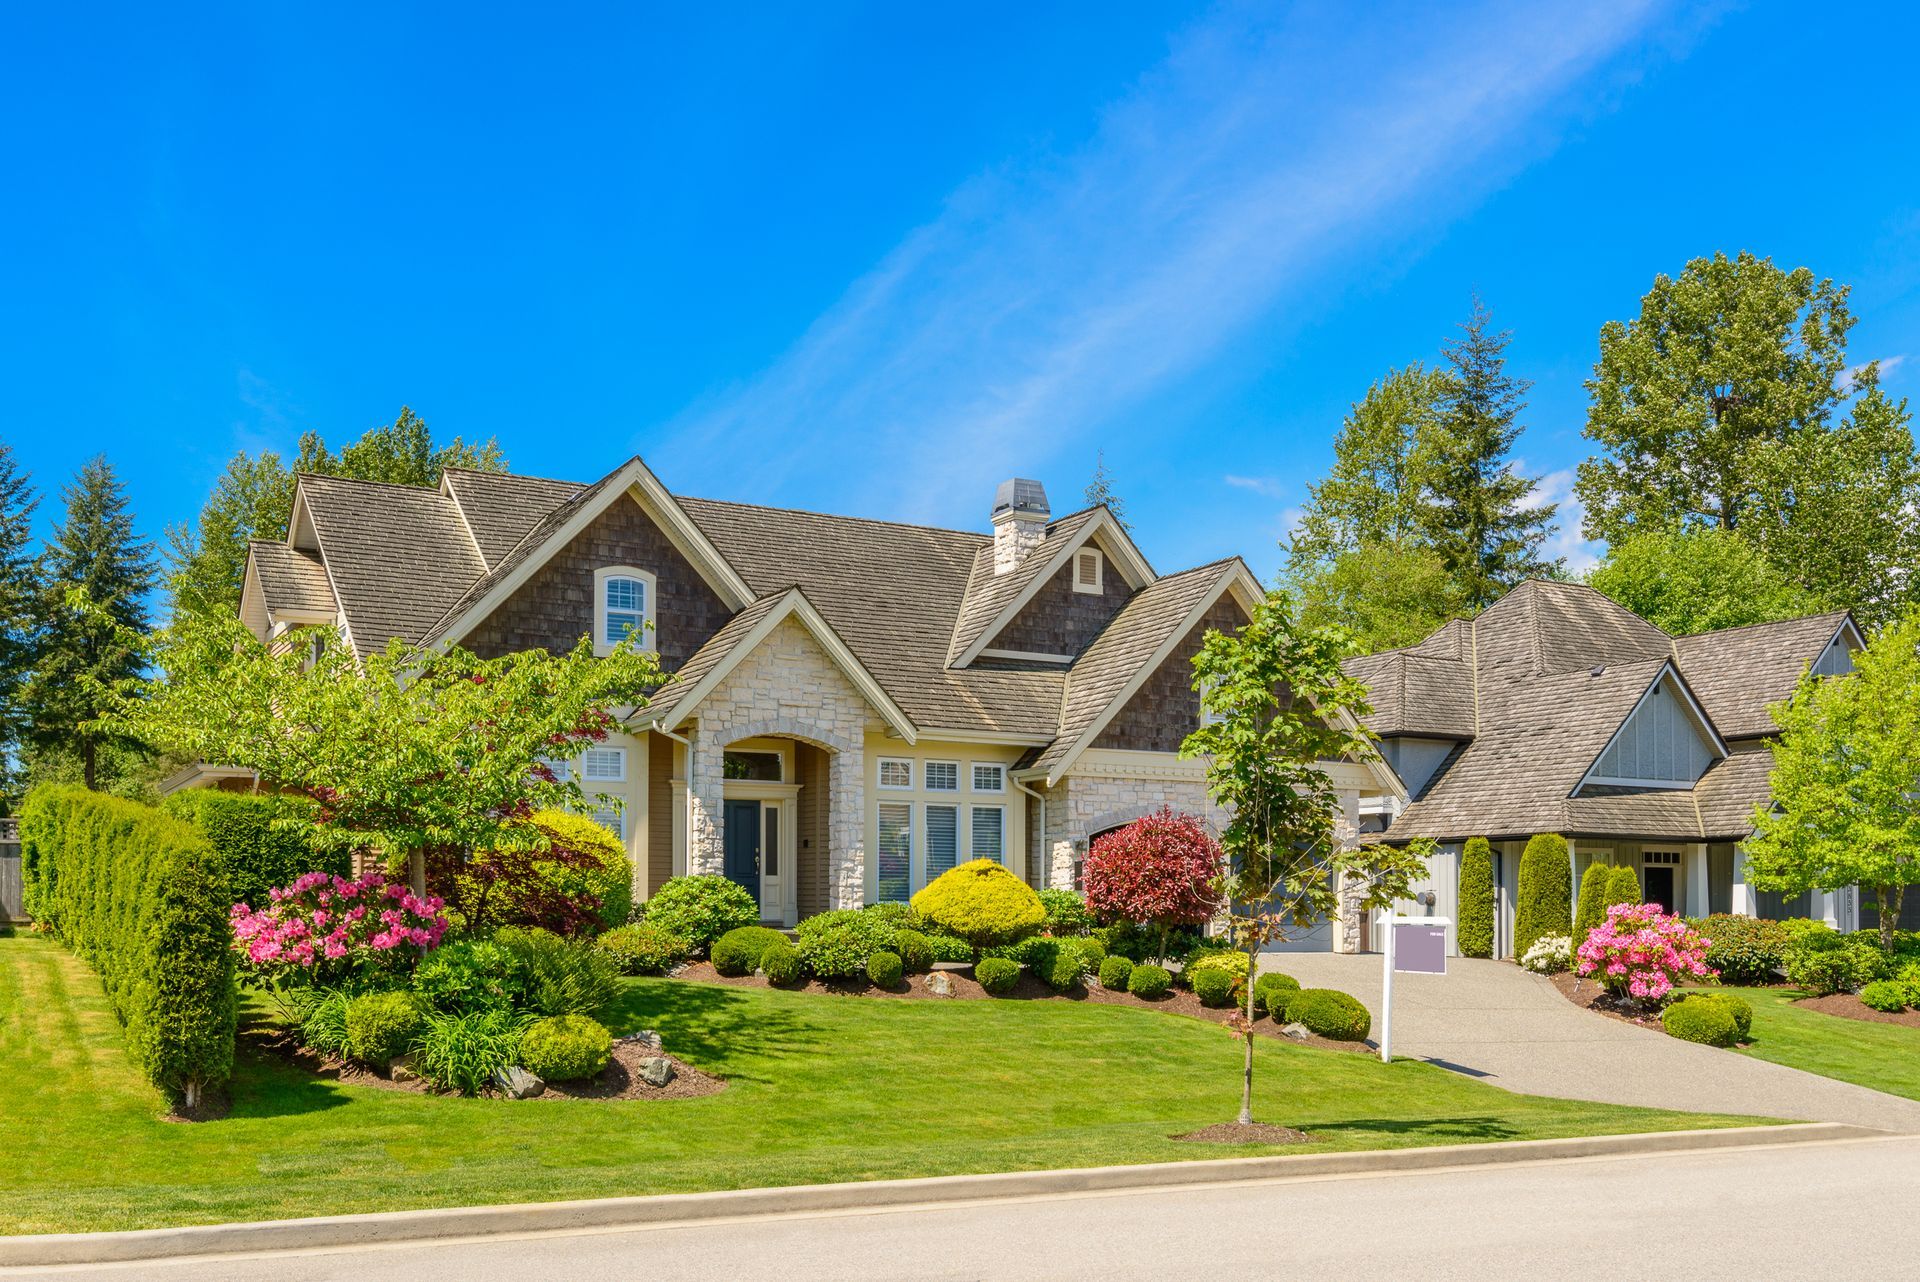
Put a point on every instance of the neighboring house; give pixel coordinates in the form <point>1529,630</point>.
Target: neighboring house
<point>855,706</point>
<point>1559,711</point>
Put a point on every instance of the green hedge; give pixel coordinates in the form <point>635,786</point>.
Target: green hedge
<point>1591,909</point>
<point>143,898</point>
<point>1475,931</point>
<point>1545,905</point>
<point>262,841</point>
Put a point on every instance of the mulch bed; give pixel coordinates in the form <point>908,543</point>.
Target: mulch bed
<point>1246,1133</point>
<point>1848,1006</point>
<point>211,1107</point>
<point>1588,995</point>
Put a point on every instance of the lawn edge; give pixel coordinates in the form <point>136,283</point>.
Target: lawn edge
<point>389,1227</point>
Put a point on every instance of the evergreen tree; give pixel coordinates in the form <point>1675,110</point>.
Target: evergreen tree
<point>95,551</point>
<point>1477,516</point>
<point>19,630</point>
<point>1100,490</point>
<point>1475,930</point>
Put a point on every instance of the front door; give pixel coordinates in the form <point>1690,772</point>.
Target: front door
<point>742,819</point>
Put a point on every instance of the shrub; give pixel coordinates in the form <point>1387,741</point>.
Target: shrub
<point>1623,887</point>
<point>327,930</point>
<point>1543,906</point>
<point>462,1052</point>
<point>1734,1004</point>
<point>1058,963</point>
<point>949,948</point>
<point>263,841</point>
<point>1331,1014</point>
<point>1823,961</point>
<point>469,975</point>
<point>1710,1023</point>
<point>997,975</point>
<point>780,962</point>
<point>916,952</point>
<point>1093,953</point>
<point>1549,955</point>
<point>563,976</point>
<point>1640,952</point>
<point>381,1026</point>
<point>1231,961</point>
<point>558,871</point>
<point>1745,950</point>
<point>1475,930</point>
<point>604,878</point>
<point>1889,995</point>
<point>323,1025</point>
<point>701,909</point>
<point>565,1048</point>
<point>883,969</point>
<point>837,945</point>
<point>1910,976</point>
<point>1213,987</point>
<point>143,898</point>
<point>981,902</point>
<point>644,948</point>
<point>1114,974</point>
<point>1272,991</point>
<point>1149,982</point>
<point>1139,943</point>
<point>1067,912</point>
<point>738,951</point>
<point>1158,871</point>
<point>1592,907</point>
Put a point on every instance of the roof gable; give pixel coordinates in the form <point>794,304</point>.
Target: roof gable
<point>993,600</point>
<point>1665,742</point>
<point>1739,672</point>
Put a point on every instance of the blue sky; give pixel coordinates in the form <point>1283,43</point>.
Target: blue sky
<point>872,259</point>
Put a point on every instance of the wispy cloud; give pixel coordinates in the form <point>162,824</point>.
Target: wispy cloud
<point>1888,364</point>
<point>1566,542</point>
<point>1047,297</point>
<point>1271,487</point>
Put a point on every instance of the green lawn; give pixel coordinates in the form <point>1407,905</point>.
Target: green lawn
<point>1885,1057</point>
<point>823,1089</point>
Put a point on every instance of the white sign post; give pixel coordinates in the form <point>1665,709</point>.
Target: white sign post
<point>1418,946</point>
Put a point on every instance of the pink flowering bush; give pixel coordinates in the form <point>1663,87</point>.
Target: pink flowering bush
<point>1641,951</point>
<point>323,928</point>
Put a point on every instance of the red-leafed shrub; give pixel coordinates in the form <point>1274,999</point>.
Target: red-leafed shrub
<point>1156,871</point>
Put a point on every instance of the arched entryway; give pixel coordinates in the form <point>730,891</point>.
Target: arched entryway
<point>776,812</point>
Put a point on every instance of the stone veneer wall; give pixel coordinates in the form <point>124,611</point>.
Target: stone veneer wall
<point>787,687</point>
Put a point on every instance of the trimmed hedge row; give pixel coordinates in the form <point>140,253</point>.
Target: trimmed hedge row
<point>143,898</point>
<point>262,841</point>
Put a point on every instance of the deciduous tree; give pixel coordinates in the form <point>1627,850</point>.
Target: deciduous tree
<point>1698,580</point>
<point>1159,871</point>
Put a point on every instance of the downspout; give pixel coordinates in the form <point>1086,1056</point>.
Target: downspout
<point>1043,819</point>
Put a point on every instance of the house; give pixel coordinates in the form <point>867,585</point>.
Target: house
<point>1559,711</point>
<point>855,706</point>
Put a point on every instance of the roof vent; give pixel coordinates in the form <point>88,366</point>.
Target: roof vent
<point>1598,669</point>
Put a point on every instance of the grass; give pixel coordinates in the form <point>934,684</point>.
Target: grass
<point>822,1089</point>
<point>1885,1057</point>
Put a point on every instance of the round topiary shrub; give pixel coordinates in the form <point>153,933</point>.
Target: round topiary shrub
<point>997,975</point>
<point>645,948</point>
<point>738,951</point>
<point>1058,963</point>
<point>1708,1022</point>
<point>381,1026</point>
<point>1332,1014</point>
<point>1736,1006</point>
<point>1093,953</point>
<point>1213,987</point>
<point>981,902</point>
<point>1889,995</point>
<point>565,1048</point>
<point>1149,982</point>
<point>781,964</point>
<point>1114,974</point>
<point>916,953</point>
<point>701,909</point>
<point>1272,991</point>
<point>883,969</point>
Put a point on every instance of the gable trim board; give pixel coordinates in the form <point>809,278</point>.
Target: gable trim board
<point>1116,545</point>
<point>793,604</point>
<point>341,618</point>
<point>1702,725</point>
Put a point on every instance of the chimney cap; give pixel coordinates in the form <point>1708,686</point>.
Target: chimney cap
<point>1020,497</point>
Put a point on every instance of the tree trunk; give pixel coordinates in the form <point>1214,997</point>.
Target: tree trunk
<point>89,762</point>
<point>1890,897</point>
<point>417,872</point>
<point>1246,1070</point>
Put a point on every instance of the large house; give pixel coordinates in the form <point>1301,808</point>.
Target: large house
<point>1559,711</point>
<point>855,705</point>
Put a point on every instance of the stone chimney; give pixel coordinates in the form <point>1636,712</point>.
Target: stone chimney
<point>1020,516</point>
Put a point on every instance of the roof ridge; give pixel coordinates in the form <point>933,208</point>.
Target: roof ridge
<point>1765,623</point>
<point>512,476</point>
<point>431,491</point>
<point>836,516</point>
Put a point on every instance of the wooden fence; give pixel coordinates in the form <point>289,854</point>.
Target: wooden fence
<point>10,909</point>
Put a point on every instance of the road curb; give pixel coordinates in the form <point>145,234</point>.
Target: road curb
<point>673,1208</point>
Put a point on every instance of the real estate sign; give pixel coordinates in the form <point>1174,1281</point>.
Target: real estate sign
<point>1415,945</point>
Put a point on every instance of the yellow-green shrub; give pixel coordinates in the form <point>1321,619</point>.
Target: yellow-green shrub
<point>610,884</point>
<point>981,902</point>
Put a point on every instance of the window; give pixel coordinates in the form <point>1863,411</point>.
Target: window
<point>613,819</point>
<point>896,772</point>
<point>943,839</point>
<point>561,770</point>
<point>770,847</point>
<point>1089,570</point>
<point>1207,718</point>
<point>604,765</point>
<point>941,776</point>
<point>896,851</point>
<point>761,767</point>
<point>624,605</point>
<point>989,778</point>
<point>990,833</point>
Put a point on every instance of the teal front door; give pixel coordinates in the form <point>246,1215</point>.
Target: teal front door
<point>742,820</point>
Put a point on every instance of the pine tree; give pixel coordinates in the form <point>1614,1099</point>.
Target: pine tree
<point>1478,517</point>
<point>1100,491</point>
<point>95,550</point>
<point>19,633</point>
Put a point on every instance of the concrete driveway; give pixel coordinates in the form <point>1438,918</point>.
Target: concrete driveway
<point>1496,1022</point>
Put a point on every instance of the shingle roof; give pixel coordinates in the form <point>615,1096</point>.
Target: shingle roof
<point>1737,672</point>
<point>500,508</point>
<point>988,594</point>
<point>1417,694</point>
<point>292,579</point>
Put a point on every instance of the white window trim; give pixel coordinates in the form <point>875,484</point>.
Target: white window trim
<point>1001,810</point>
<point>880,774</point>
<point>602,642</point>
<point>1099,570</point>
<point>926,776</point>
<point>620,755</point>
<point>973,783</point>
<point>925,871</point>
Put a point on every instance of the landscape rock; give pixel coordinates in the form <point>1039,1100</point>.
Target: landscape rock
<point>1298,1032</point>
<point>645,1037</point>
<point>656,1071</point>
<point>940,984</point>
<point>517,1082</point>
<point>401,1069</point>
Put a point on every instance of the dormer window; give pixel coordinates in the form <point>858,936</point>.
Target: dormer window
<point>624,598</point>
<point>1089,570</point>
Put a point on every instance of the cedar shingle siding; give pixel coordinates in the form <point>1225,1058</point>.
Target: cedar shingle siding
<point>1061,621</point>
<point>1165,710</point>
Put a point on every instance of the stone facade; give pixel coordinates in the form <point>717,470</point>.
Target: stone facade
<point>1166,708</point>
<point>1080,807</point>
<point>788,687</point>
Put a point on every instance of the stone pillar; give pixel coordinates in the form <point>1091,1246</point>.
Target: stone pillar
<point>847,829</point>
<point>1697,904</point>
<point>706,849</point>
<point>1346,835</point>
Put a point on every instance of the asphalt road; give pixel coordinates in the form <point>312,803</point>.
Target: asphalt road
<point>1817,1210</point>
